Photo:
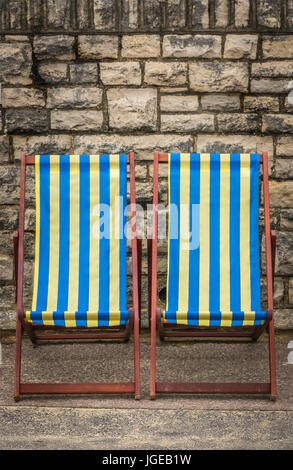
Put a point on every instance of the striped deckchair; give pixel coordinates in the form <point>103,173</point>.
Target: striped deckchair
<point>213,274</point>
<point>80,276</point>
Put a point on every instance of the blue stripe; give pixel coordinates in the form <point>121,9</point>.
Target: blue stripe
<point>235,286</point>
<point>44,253</point>
<point>174,229</point>
<point>194,221</point>
<point>254,233</point>
<point>123,241</point>
<point>104,268</point>
<point>84,238</point>
<point>214,301</point>
<point>64,211</point>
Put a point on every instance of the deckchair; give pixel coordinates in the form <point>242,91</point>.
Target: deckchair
<point>80,276</point>
<point>213,284</point>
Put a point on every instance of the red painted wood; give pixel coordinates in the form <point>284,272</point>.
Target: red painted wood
<point>205,387</point>
<point>30,328</point>
<point>76,388</point>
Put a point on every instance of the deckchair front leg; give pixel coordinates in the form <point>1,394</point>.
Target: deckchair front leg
<point>272,359</point>
<point>17,371</point>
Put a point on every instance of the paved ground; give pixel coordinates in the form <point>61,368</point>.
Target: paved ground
<point>170,422</point>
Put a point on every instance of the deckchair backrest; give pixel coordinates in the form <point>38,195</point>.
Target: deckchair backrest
<point>213,247</point>
<point>80,250</point>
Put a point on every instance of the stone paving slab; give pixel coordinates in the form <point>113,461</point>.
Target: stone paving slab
<point>81,428</point>
<point>169,422</point>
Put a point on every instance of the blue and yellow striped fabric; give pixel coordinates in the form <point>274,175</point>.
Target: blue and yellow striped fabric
<point>80,249</point>
<point>213,247</point>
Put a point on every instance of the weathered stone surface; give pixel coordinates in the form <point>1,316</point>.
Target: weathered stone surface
<point>290,13</point>
<point>22,97</point>
<point>291,291</point>
<point>269,86</point>
<point>191,45</point>
<point>284,253</point>
<point>286,219</point>
<point>261,103</point>
<point>4,148</point>
<point>237,122</point>
<point>278,47</point>
<point>83,73</point>
<point>16,63</point>
<point>53,74</point>
<point>236,144</point>
<point>6,268</point>
<point>17,38</point>
<point>172,90</point>
<point>242,13</point>
<point>284,168</point>
<point>283,319</point>
<point>130,14</point>
<point>222,13</point>
<point>132,108</point>
<point>281,194</point>
<point>218,77</point>
<point>289,104</point>
<point>140,45</point>
<point>284,146</point>
<point>57,47</point>
<point>104,14</point>
<point>187,123</point>
<point>152,14</point>
<point>46,144</point>
<point>165,73</point>
<point>77,120</point>
<point>176,13</point>
<point>179,103</point>
<point>25,120</point>
<point>272,69</point>
<point>143,145</point>
<point>242,46</point>
<point>200,13</point>
<point>220,102</point>
<point>98,47</point>
<point>78,97</point>
<point>279,123</point>
<point>9,188</point>
<point>120,73</point>
<point>269,13</point>
<point>58,13</point>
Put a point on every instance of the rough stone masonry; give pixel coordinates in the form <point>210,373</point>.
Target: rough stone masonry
<point>114,75</point>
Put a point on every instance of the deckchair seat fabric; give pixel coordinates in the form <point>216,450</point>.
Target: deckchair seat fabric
<point>213,244</point>
<point>80,250</point>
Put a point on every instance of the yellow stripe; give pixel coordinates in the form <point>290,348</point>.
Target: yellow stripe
<point>204,257</point>
<point>74,239</point>
<point>183,286</point>
<point>37,236</point>
<point>114,237</point>
<point>54,238</point>
<point>169,213</point>
<point>94,234</point>
<point>226,319</point>
<point>245,239</point>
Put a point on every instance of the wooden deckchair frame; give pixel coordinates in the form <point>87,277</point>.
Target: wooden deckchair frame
<point>104,333</point>
<point>173,330</point>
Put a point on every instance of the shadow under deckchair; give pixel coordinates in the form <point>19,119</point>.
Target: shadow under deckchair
<point>80,278</point>
<point>213,288</point>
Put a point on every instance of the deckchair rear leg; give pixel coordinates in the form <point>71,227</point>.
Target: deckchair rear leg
<point>17,371</point>
<point>149,248</point>
<point>272,358</point>
<point>135,318</point>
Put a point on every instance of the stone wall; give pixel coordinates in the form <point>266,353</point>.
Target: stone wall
<point>114,75</point>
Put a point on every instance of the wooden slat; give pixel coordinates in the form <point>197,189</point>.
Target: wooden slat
<point>30,159</point>
<point>205,387</point>
<point>76,388</point>
<point>163,158</point>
